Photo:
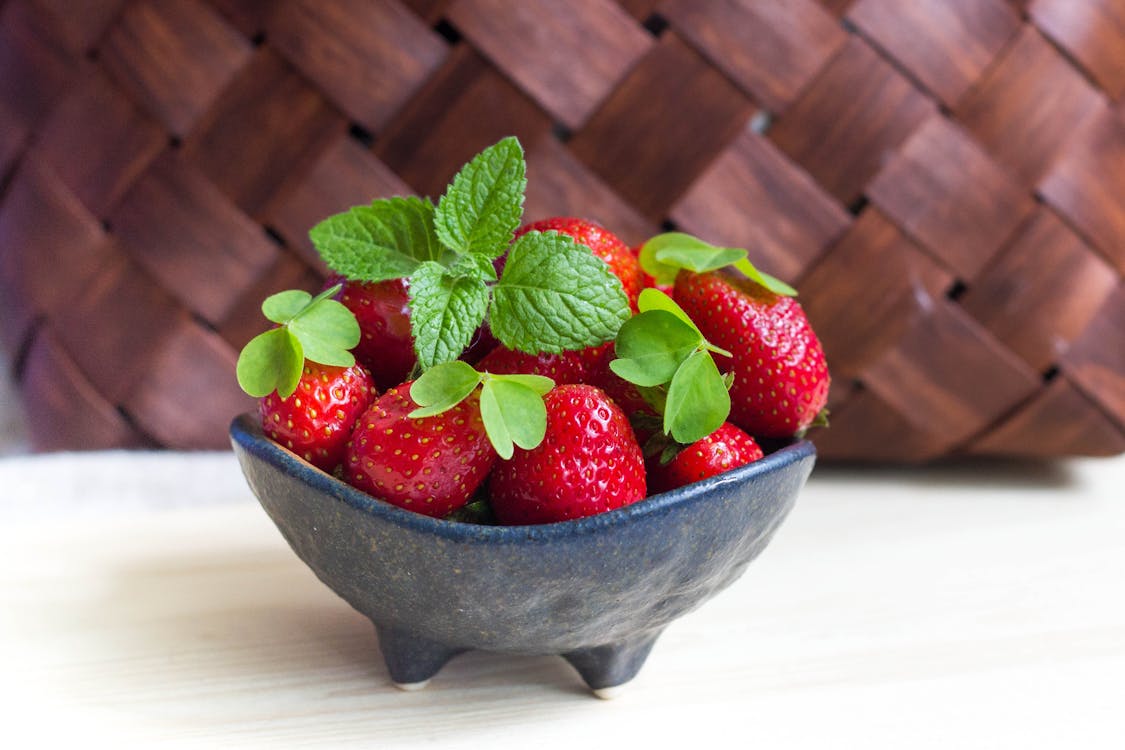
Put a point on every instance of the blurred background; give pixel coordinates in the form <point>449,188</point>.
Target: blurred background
<point>944,181</point>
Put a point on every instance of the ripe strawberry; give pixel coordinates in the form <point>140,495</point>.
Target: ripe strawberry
<point>574,366</point>
<point>431,465</point>
<point>589,462</point>
<point>722,450</point>
<point>780,375</point>
<point>316,421</point>
<point>604,244</point>
<point>386,346</point>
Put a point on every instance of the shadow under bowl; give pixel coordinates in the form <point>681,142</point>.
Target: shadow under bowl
<point>597,590</point>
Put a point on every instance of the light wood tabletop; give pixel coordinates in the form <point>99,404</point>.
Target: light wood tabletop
<point>148,601</point>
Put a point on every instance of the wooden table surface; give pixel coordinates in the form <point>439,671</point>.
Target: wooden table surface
<point>148,601</point>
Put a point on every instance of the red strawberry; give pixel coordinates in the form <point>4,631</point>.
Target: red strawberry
<point>431,465</point>
<point>604,244</point>
<point>386,346</point>
<point>574,366</point>
<point>316,421</point>
<point>722,450</point>
<point>780,375</point>
<point>589,462</point>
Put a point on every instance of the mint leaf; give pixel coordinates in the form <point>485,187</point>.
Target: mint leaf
<point>385,240</point>
<point>698,402</point>
<point>775,285</point>
<point>445,311</point>
<point>271,361</point>
<point>474,266</point>
<point>513,413</point>
<point>442,387</point>
<point>651,346</point>
<point>554,295</point>
<point>481,209</point>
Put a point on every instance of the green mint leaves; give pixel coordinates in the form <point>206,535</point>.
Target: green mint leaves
<point>482,207</point>
<point>556,295</point>
<point>317,328</point>
<point>445,310</point>
<point>511,406</point>
<point>664,255</point>
<point>385,240</point>
<point>553,294</point>
<point>661,347</point>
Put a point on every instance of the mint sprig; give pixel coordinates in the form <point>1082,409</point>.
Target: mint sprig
<point>661,348</point>
<point>664,255</point>
<point>511,406</point>
<point>318,328</point>
<point>553,295</point>
<point>482,207</point>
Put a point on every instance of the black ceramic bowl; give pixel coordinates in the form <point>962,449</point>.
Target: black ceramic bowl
<point>597,591</point>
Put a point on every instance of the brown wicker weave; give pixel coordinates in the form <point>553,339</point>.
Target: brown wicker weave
<point>943,179</point>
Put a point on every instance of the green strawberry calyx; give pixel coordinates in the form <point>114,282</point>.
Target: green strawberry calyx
<point>664,255</point>
<point>820,421</point>
<point>511,406</point>
<point>553,294</point>
<point>663,353</point>
<point>318,329</point>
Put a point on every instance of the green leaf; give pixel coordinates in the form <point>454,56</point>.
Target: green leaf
<point>481,209</point>
<point>512,413</point>
<point>326,330</point>
<point>442,387</point>
<point>652,345</point>
<point>272,361</point>
<point>775,285</point>
<point>541,384</point>
<point>654,299</point>
<point>284,306</point>
<point>698,402</point>
<point>445,312</point>
<point>664,255</point>
<point>685,251</point>
<point>386,240</point>
<point>554,295</point>
<point>474,266</point>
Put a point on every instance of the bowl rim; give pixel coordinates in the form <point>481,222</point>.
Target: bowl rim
<point>246,433</point>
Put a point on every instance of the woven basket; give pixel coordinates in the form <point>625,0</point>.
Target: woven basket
<point>944,180</point>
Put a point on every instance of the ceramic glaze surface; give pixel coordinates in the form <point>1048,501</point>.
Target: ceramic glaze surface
<point>596,590</point>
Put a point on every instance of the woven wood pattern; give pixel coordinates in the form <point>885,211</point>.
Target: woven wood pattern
<point>944,180</point>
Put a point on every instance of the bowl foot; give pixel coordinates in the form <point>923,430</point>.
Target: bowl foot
<point>606,669</point>
<point>411,687</point>
<point>411,660</point>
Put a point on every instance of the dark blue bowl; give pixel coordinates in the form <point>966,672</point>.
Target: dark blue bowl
<point>597,591</point>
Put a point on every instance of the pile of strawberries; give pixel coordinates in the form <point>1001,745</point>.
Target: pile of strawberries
<point>590,460</point>
<point>606,441</point>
